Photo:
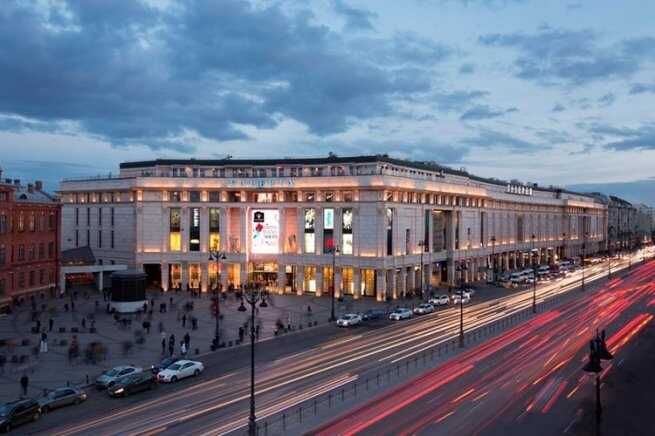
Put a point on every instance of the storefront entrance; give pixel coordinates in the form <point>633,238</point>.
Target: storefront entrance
<point>264,273</point>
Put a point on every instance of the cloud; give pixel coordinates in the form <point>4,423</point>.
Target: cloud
<point>551,56</point>
<point>467,69</point>
<point>484,112</point>
<point>639,191</point>
<point>457,100</point>
<point>607,99</point>
<point>641,88</point>
<point>558,108</point>
<point>158,75</point>
<point>50,172</point>
<point>487,138</point>
<point>356,19</point>
<point>629,138</point>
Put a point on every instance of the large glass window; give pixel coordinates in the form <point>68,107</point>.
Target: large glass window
<point>194,196</point>
<point>214,229</point>
<point>368,282</point>
<point>310,227</point>
<point>328,230</point>
<point>310,279</point>
<point>194,229</point>
<point>347,231</point>
<point>175,239</point>
<point>347,282</point>
<point>389,225</point>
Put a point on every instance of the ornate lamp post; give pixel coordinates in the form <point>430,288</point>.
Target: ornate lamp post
<point>217,256</point>
<point>252,294</point>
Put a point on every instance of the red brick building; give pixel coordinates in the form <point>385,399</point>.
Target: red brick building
<point>29,240</point>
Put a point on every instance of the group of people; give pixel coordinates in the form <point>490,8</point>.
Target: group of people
<point>185,342</point>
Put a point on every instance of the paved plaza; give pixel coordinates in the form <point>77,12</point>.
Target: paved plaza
<point>117,342</point>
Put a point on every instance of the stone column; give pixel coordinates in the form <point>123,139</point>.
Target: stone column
<point>357,283</point>
<point>357,234</point>
<point>338,224</point>
<point>337,282</point>
<point>243,230</point>
<point>281,278</point>
<point>300,238</point>
<point>204,276</point>
<point>224,276</point>
<point>101,277</point>
<point>166,230</point>
<point>411,279</point>
<point>204,229</point>
<point>300,279</point>
<point>450,271</point>
<point>283,234</point>
<point>381,285</point>
<point>164,276</point>
<point>224,231</point>
<point>184,266</point>
<point>318,231</point>
<point>184,229</point>
<point>319,280</point>
<point>427,276</point>
<point>402,282</point>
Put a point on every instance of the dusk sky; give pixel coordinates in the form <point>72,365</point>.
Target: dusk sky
<point>555,92</point>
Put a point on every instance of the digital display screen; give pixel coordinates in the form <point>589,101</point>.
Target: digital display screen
<point>265,231</point>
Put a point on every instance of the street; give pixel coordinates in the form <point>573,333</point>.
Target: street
<point>217,402</point>
<point>528,380</point>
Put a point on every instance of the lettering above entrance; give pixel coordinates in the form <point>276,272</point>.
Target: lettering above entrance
<point>260,183</point>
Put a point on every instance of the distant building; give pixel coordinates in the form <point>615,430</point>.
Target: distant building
<point>277,222</point>
<point>645,223</point>
<point>29,240</point>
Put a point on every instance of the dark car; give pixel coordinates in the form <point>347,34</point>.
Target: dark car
<point>18,412</point>
<point>61,397</point>
<point>373,314</point>
<point>131,384</point>
<point>165,363</point>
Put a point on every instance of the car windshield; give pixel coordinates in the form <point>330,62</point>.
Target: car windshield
<point>112,372</point>
<point>175,367</point>
<point>4,410</point>
<point>348,317</point>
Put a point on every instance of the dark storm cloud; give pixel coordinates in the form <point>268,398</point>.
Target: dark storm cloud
<point>484,112</point>
<point>493,139</point>
<point>356,19</point>
<point>143,75</point>
<point>552,56</point>
<point>625,138</point>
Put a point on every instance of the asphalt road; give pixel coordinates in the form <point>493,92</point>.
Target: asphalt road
<point>529,380</point>
<point>217,401</point>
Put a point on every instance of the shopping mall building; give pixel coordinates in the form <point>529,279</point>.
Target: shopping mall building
<point>374,225</point>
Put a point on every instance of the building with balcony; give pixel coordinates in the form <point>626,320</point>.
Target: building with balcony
<point>29,240</point>
<point>372,225</point>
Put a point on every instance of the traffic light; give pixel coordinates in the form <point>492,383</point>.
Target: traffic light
<point>594,360</point>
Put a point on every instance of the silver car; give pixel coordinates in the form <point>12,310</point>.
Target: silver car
<point>109,378</point>
<point>61,397</point>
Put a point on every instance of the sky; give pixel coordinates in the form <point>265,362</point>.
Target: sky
<point>555,92</point>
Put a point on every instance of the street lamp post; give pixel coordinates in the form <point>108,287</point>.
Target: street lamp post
<point>217,256</point>
<point>461,268</point>
<point>421,244</point>
<point>335,251</point>
<point>252,295</point>
<point>597,351</point>
<point>534,276</point>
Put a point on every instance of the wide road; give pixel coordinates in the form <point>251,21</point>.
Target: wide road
<point>217,403</point>
<point>529,380</point>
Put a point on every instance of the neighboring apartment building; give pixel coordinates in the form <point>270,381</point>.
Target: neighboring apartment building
<point>278,221</point>
<point>29,240</point>
<point>645,224</point>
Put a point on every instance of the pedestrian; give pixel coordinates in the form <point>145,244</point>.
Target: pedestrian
<point>38,325</point>
<point>241,332</point>
<point>183,349</point>
<point>24,382</point>
<point>145,307</point>
<point>171,344</point>
<point>84,322</point>
<point>187,339</point>
<point>43,348</point>
<point>170,301</point>
<point>72,306</point>
<point>257,331</point>
<point>51,324</point>
<point>184,321</point>
<point>161,329</point>
<point>163,346</point>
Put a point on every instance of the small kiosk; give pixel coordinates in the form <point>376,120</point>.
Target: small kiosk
<point>128,291</point>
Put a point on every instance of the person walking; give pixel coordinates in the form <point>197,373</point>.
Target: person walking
<point>43,348</point>
<point>187,339</point>
<point>184,321</point>
<point>163,346</point>
<point>171,345</point>
<point>51,324</point>
<point>183,349</point>
<point>24,382</point>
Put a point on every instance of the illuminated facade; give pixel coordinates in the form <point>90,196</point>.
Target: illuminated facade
<point>278,222</point>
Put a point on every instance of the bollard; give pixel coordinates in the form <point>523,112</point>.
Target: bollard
<point>343,395</point>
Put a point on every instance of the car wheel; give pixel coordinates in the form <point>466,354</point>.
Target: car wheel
<point>76,401</point>
<point>45,409</point>
<point>196,373</point>
<point>174,379</point>
<point>36,416</point>
<point>7,428</point>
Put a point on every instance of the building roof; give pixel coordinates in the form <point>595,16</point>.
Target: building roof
<point>78,256</point>
<point>23,195</point>
<point>334,159</point>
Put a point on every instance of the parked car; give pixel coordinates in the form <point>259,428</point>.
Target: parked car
<point>349,319</point>
<point>179,370</point>
<point>109,378</point>
<point>140,381</point>
<point>165,363</point>
<point>516,278</point>
<point>17,413</point>
<point>440,300</point>
<point>61,397</point>
<point>469,291</point>
<point>400,313</point>
<point>373,314</point>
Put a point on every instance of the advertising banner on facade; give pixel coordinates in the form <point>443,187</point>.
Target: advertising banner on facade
<point>265,231</point>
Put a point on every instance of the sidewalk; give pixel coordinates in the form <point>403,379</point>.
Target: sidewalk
<point>19,346</point>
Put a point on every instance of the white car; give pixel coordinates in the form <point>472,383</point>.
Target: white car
<point>349,319</point>
<point>441,300</point>
<point>458,297</point>
<point>424,308</point>
<point>400,313</point>
<point>179,370</point>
